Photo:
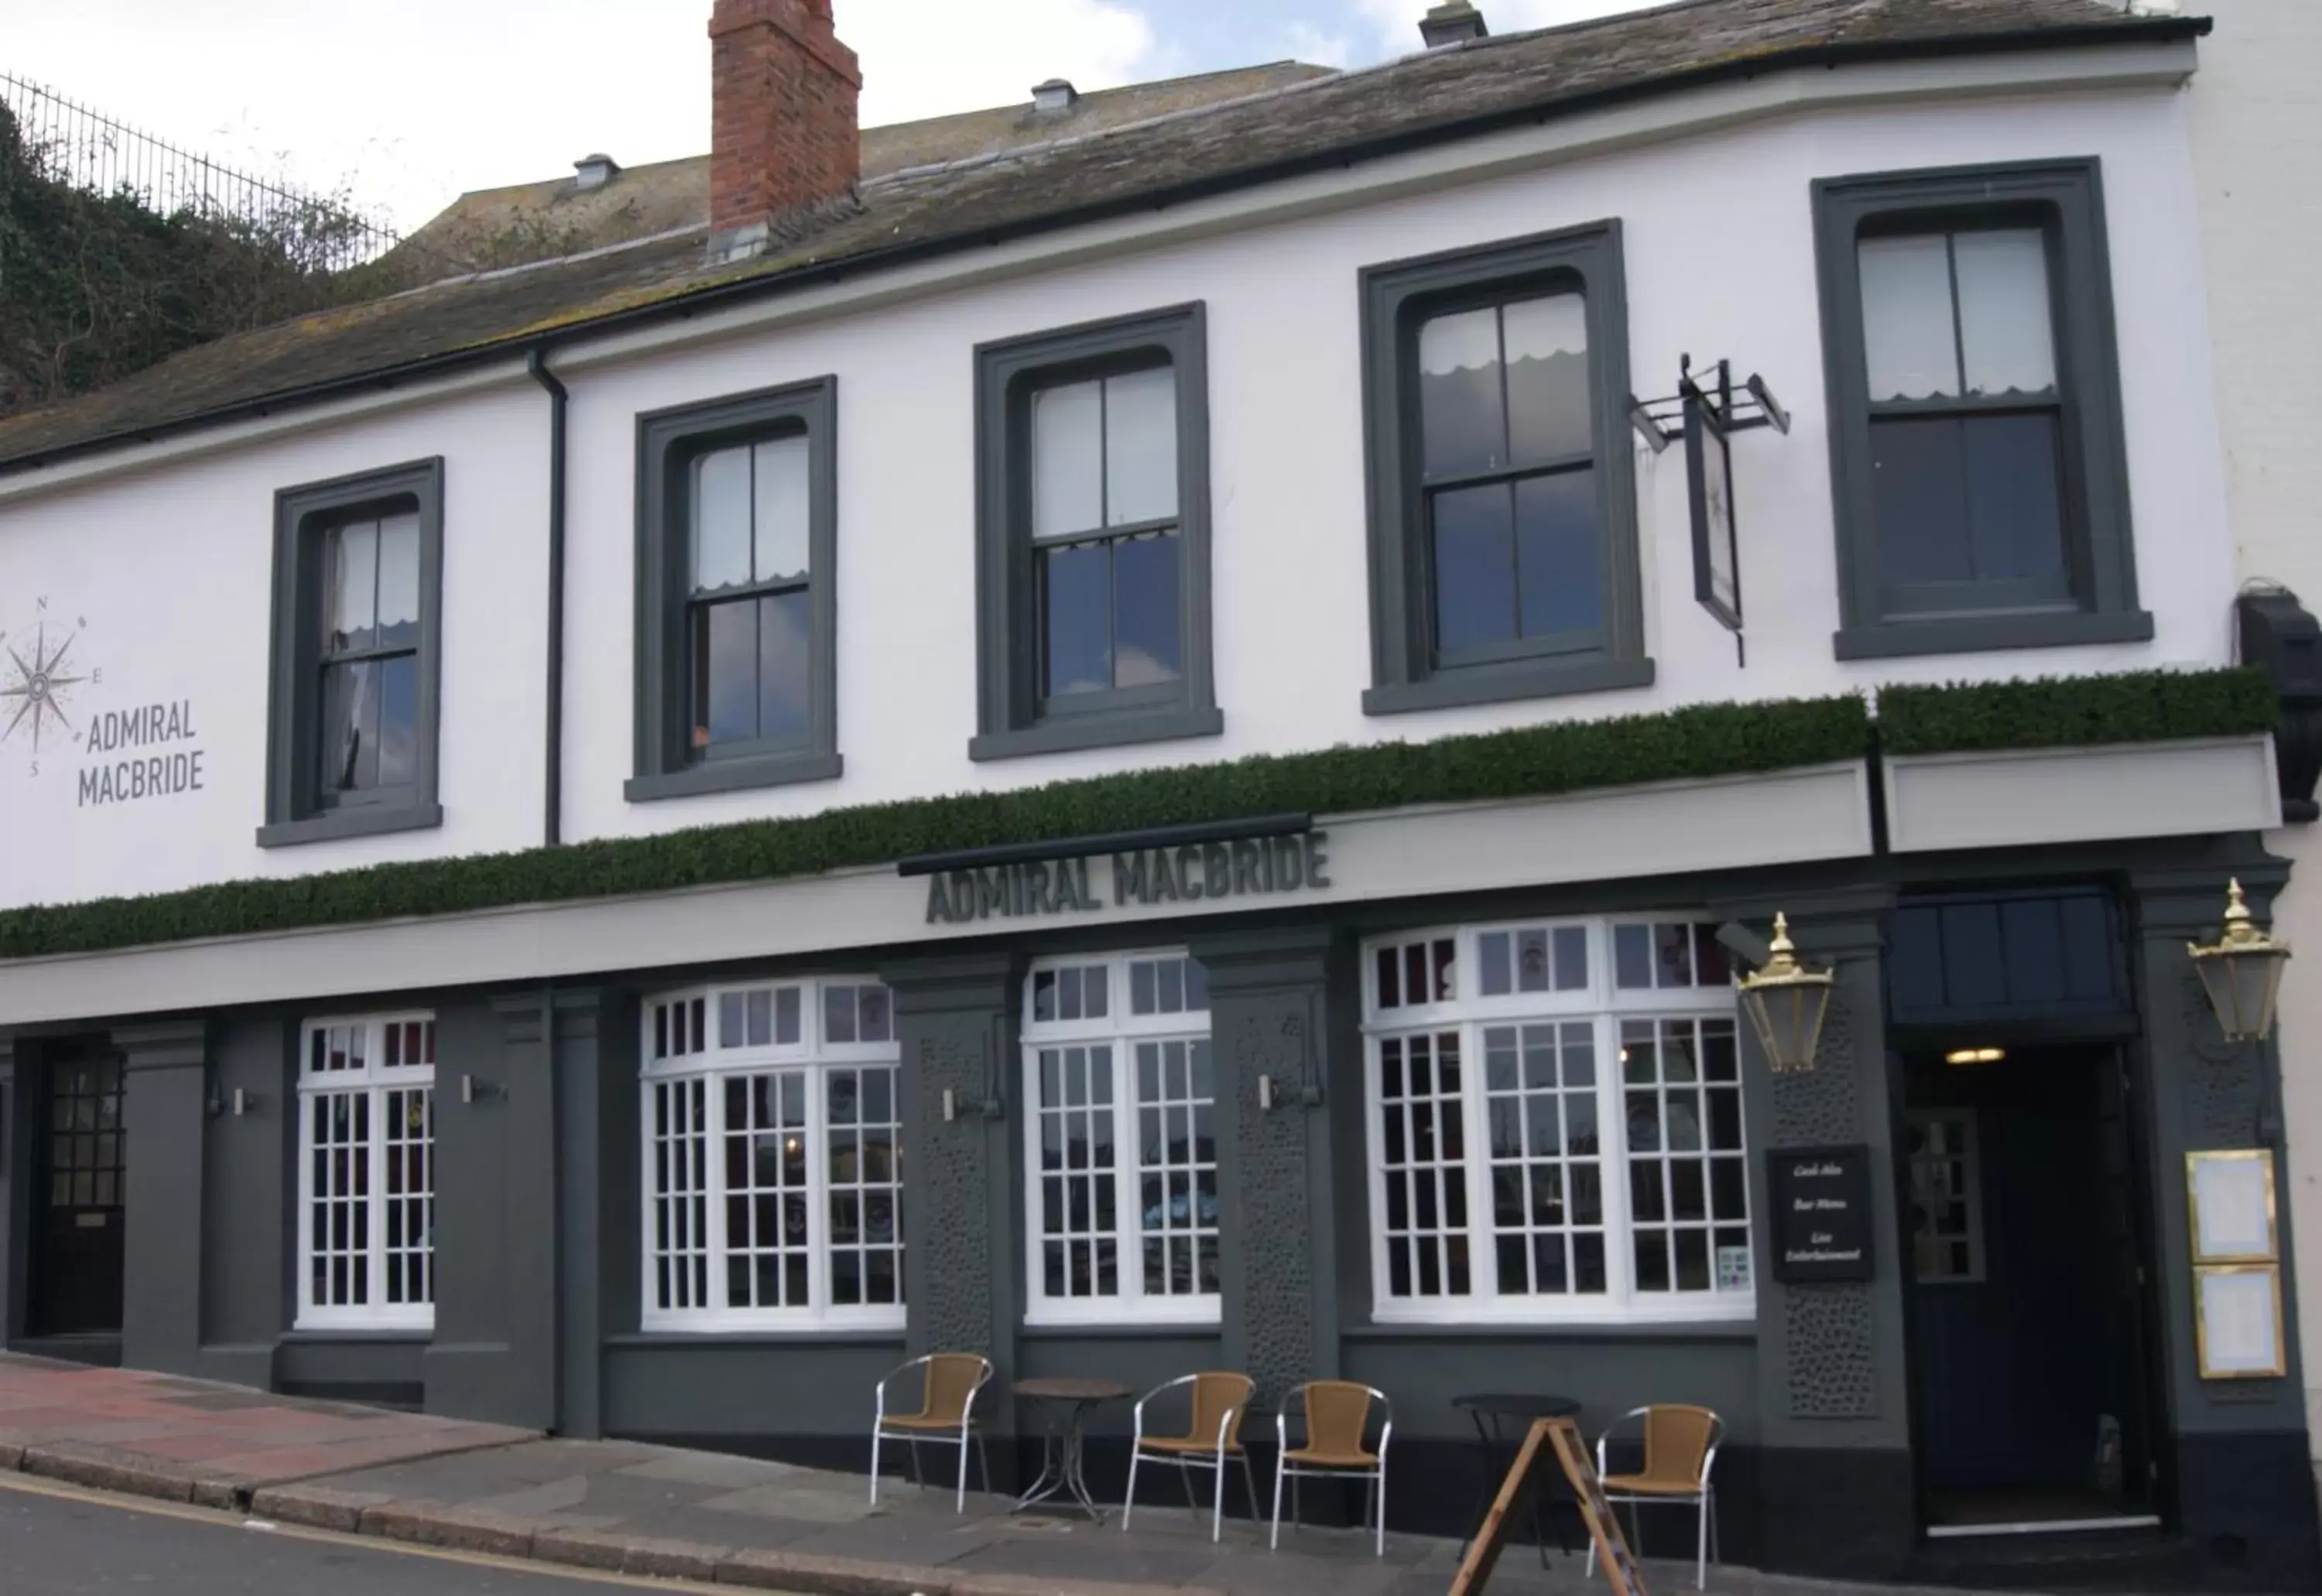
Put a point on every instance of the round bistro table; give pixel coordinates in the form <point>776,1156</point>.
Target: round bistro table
<point>1064,1406</point>
<point>1488,1410</point>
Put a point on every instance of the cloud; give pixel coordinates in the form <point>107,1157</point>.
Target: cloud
<point>927,58</point>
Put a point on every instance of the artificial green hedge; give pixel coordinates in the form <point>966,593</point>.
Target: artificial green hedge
<point>1681,744</point>
<point>2067,712</point>
<point>1692,743</point>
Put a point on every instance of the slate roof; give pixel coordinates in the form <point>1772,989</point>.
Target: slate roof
<point>535,221</point>
<point>1445,93</point>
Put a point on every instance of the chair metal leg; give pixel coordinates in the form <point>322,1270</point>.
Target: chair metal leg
<point>917,1479</point>
<point>983,1459</point>
<point>1128,1502</point>
<point>1274,1541</point>
<point>1382,1502</point>
<point>959,1501</point>
<point>874,1465</point>
<point>1701,1543</point>
<point>1248,1479</point>
<point>1218,1506</point>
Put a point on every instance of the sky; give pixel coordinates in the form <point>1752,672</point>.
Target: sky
<point>404,106</point>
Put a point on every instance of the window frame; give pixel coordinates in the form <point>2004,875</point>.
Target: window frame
<point>1395,297</point>
<point>296,812</point>
<point>817,1057</point>
<point>668,443</point>
<point>1012,720</point>
<point>1601,1002</point>
<point>376,1079</point>
<point>1963,1120</point>
<point>1121,1030</point>
<point>2065,198</point>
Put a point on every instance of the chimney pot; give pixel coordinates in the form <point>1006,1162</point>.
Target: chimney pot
<point>1056,94</point>
<point>784,136</point>
<point>594,171</point>
<point>1454,22</point>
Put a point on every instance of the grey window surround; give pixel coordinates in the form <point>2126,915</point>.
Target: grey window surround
<point>1395,296</point>
<point>295,813</point>
<point>1010,718</point>
<point>667,441</point>
<point>2065,198</point>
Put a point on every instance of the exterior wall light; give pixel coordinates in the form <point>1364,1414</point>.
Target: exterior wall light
<point>1975,1056</point>
<point>2241,971</point>
<point>1787,1003</point>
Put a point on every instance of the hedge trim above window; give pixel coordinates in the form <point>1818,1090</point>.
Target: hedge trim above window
<point>1694,743</point>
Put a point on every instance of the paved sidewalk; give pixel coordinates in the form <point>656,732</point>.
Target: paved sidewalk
<point>191,1440</point>
<point>656,1511</point>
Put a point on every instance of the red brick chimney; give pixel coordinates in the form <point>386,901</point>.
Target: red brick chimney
<point>783,135</point>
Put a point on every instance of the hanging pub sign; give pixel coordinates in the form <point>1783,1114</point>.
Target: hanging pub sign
<point>1704,415</point>
<point>1822,1213</point>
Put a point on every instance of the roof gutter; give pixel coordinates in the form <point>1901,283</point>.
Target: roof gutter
<point>552,820</point>
<point>2147,30</point>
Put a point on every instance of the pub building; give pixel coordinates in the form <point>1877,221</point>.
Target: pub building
<point>823,934</point>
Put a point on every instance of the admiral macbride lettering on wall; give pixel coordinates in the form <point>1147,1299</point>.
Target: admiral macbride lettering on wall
<point>154,760</point>
<point>1195,872</point>
<point>117,755</point>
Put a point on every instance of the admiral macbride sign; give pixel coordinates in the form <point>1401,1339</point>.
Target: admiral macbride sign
<point>1195,872</point>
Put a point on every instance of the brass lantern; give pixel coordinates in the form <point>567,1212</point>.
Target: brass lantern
<point>1787,1003</point>
<point>2241,971</point>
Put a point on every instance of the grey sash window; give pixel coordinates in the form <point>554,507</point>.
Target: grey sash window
<point>736,609</point>
<point>358,602</point>
<point>1503,541</point>
<point>1976,439</point>
<point>1093,537</point>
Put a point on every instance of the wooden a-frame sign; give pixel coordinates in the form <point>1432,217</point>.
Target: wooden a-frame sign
<point>1562,1437</point>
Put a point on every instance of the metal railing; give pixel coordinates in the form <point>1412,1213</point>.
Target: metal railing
<point>74,144</point>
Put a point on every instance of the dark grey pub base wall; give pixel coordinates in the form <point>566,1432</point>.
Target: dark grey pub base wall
<point>539,1215</point>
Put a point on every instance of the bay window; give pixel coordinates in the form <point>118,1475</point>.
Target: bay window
<point>773,1179</point>
<point>1121,1141</point>
<point>1555,1125</point>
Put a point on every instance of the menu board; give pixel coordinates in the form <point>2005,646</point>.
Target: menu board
<point>1613,1553</point>
<point>1822,1213</point>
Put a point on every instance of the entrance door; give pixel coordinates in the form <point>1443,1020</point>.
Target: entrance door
<point>2026,1296</point>
<point>77,1264</point>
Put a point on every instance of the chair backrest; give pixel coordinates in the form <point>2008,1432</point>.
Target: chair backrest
<point>1677,1439</point>
<point>1214,1397</point>
<point>953,1379</point>
<point>1338,1411</point>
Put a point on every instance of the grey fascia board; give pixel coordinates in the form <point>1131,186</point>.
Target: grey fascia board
<point>736,775</point>
<point>371,820</point>
<point>1502,684</point>
<point>1072,733</point>
<point>1968,634</point>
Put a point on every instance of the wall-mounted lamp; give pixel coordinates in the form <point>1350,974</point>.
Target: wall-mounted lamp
<point>1975,1056</point>
<point>2241,971</point>
<point>955,1107</point>
<point>217,1101</point>
<point>1273,1094</point>
<point>1787,1002</point>
<point>473,1091</point>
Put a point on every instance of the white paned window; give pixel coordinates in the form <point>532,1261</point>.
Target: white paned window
<point>1946,1198</point>
<point>773,1158</point>
<point>1555,1125</point>
<point>367,1172</point>
<point>1121,1216</point>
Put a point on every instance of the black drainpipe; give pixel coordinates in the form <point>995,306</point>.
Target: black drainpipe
<point>553,796</point>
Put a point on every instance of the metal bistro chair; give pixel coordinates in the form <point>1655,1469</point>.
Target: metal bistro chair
<point>1212,1436</point>
<point>945,1416</point>
<point>1337,1417</point>
<point>1680,1449</point>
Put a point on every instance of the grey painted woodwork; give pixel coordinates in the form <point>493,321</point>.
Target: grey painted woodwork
<point>166,1064</point>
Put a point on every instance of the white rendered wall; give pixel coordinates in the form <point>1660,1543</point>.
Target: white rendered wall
<point>1718,240</point>
<point>2256,112</point>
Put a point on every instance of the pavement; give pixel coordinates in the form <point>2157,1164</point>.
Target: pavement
<point>642,1510</point>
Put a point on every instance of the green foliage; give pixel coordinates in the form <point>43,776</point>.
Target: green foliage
<point>2068,711</point>
<point>1682,745</point>
<point>94,287</point>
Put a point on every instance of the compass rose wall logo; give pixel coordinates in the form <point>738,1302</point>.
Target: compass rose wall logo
<point>40,676</point>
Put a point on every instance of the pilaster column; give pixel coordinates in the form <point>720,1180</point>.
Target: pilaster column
<point>1835,1473</point>
<point>16,1174</point>
<point>955,1017</point>
<point>164,1110</point>
<point>1269,994</point>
